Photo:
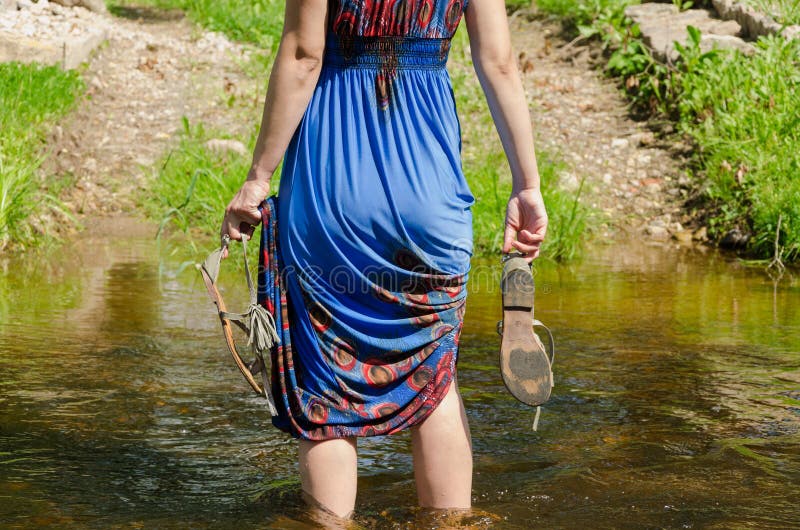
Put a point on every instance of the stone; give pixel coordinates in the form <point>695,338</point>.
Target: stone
<point>8,5</point>
<point>657,232</point>
<point>90,165</point>
<point>96,83</point>
<point>46,33</point>
<point>753,23</point>
<point>791,32</point>
<point>701,234</point>
<point>725,42</point>
<point>619,143</point>
<point>683,237</point>
<point>222,146</point>
<point>645,138</point>
<point>69,52</point>
<point>734,238</point>
<point>663,24</point>
<point>98,6</point>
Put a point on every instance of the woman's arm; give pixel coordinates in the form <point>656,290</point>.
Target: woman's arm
<point>294,75</point>
<point>496,67</point>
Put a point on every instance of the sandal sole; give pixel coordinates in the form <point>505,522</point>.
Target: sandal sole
<point>524,364</point>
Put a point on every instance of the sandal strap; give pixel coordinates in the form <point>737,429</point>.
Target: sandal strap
<point>552,345</point>
<point>256,322</point>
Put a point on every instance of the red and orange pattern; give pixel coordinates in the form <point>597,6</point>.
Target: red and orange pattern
<point>393,32</point>
<point>369,394</point>
<point>432,19</point>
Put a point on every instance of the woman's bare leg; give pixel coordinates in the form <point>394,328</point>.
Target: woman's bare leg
<point>443,455</point>
<point>328,474</point>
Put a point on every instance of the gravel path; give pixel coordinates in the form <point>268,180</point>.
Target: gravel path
<point>155,68</point>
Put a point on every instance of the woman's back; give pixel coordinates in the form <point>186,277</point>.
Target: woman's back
<point>375,226</point>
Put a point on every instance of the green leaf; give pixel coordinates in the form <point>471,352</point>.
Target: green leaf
<point>694,35</point>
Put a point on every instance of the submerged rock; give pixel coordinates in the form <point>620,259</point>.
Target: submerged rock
<point>734,238</point>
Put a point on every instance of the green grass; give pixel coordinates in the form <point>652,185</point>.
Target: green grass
<point>599,14</point>
<point>744,113</point>
<point>32,99</point>
<point>782,11</point>
<point>514,5</point>
<point>195,185</point>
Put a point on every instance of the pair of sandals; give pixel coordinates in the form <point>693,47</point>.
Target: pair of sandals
<point>525,365</point>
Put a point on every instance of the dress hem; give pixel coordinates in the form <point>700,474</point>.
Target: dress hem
<point>358,432</point>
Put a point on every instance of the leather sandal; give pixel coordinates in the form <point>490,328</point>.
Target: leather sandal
<point>257,323</point>
<point>525,365</point>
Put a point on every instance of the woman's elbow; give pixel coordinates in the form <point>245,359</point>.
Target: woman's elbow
<point>499,64</point>
<point>303,60</point>
<point>309,59</point>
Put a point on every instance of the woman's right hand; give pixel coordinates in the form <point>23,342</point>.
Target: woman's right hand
<point>526,223</point>
<point>242,214</point>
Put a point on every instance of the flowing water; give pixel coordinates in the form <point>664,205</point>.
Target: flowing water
<point>676,405</point>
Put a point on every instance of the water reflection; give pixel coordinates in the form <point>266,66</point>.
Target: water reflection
<point>677,401</point>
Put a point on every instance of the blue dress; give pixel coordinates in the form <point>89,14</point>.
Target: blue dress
<point>366,249</point>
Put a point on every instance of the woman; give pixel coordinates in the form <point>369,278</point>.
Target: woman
<point>374,233</point>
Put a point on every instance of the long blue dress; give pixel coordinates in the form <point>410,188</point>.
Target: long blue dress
<point>366,250</point>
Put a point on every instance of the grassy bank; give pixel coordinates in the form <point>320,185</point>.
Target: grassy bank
<point>32,99</point>
<point>194,185</point>
<point>741,112</point>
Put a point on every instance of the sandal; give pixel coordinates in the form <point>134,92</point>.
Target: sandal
<point>525,365</point>
<point>257,323</point>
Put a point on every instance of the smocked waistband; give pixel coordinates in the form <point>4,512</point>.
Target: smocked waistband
<point>385,52</point>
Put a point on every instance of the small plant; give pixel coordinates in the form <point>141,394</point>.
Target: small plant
<point>683,5</point>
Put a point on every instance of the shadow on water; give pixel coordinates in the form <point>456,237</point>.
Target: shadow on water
<point>677,401</point>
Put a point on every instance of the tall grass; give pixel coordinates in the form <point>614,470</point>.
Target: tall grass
<point>194,185</point>
<point>32,99</point>
<point>744,113</point>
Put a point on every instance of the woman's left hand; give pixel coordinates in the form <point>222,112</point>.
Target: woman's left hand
<point>526,223</point>
<point>242,214</point>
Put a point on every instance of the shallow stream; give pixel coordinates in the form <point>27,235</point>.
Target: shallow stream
<point>676,405</point>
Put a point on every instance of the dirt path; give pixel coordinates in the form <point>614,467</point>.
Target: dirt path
<point>158,67</point>
<point>155,68</point>
<point>633,178</point>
